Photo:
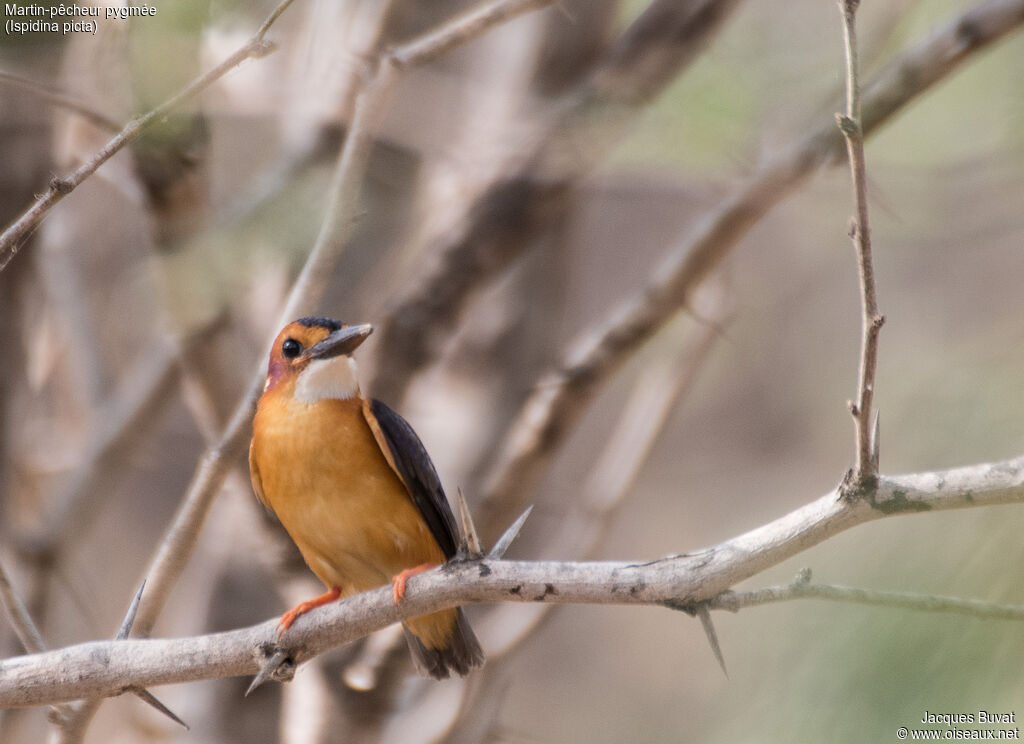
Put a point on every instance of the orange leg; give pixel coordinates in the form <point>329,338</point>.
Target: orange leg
<point>303,607</point>
<point>398,583</point>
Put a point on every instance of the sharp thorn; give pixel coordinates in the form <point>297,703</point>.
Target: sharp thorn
<point>709,631</point>
<point>470,541</point>
<point>148,697</point>
<point>269,669</point>
<point>874,443</point>
<point>129,617</point>
<point>510,535</point>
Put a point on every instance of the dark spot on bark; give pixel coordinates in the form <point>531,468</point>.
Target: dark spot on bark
<point>484,569</point>
<point>100,656</point>
<point>968,34</point>
<point>899,503</point>
<point>549,590</point>
<point>516,589</point>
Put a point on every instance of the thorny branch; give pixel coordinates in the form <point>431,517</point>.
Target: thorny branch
<point>102,669</point>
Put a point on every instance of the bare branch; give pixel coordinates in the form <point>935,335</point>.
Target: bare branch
<point>12,237</point>
<point>865,470</point>
<point>680,581</point>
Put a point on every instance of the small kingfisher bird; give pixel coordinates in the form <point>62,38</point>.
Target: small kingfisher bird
<point>353,486</point>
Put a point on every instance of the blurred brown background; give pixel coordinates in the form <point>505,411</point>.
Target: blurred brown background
<point>134,318</point>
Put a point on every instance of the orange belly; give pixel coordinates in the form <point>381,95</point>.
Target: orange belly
<point>325,477</point>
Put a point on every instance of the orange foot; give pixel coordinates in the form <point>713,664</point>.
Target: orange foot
<point>398,583</point>
<point>303,607</point>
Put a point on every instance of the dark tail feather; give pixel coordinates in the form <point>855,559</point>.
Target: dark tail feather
<point>462,653</point>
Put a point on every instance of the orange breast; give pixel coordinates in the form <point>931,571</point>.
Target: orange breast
<point>323,474</point>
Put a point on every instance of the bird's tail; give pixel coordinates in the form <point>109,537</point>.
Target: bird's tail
<point>442,643</point>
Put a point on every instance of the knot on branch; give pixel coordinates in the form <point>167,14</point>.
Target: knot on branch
<point>62,186</point>
<point>849,126</point>
<point>856,486</point>
<point>849,7</point>
<point>261,48</point>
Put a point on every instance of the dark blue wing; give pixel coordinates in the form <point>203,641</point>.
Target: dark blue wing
<point>414,467</point>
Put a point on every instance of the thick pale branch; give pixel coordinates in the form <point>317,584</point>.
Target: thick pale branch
<point>109,668</point>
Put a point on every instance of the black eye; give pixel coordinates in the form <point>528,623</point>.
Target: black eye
<point>291,348</point>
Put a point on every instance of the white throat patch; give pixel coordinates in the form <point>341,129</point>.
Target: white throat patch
<point>327,378</point>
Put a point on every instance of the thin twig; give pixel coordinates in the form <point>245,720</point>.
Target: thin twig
<point>801,588</point>
<point>461,29</point>
<point>865,470</point>
<point>60,98</point>
<point>13,236</point>
<point>560,397</point>
<point>100,669</point>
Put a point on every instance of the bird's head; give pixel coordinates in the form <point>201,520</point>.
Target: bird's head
<point>313,357</point>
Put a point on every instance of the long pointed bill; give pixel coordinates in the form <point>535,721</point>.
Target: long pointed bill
<point>342,341</point>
